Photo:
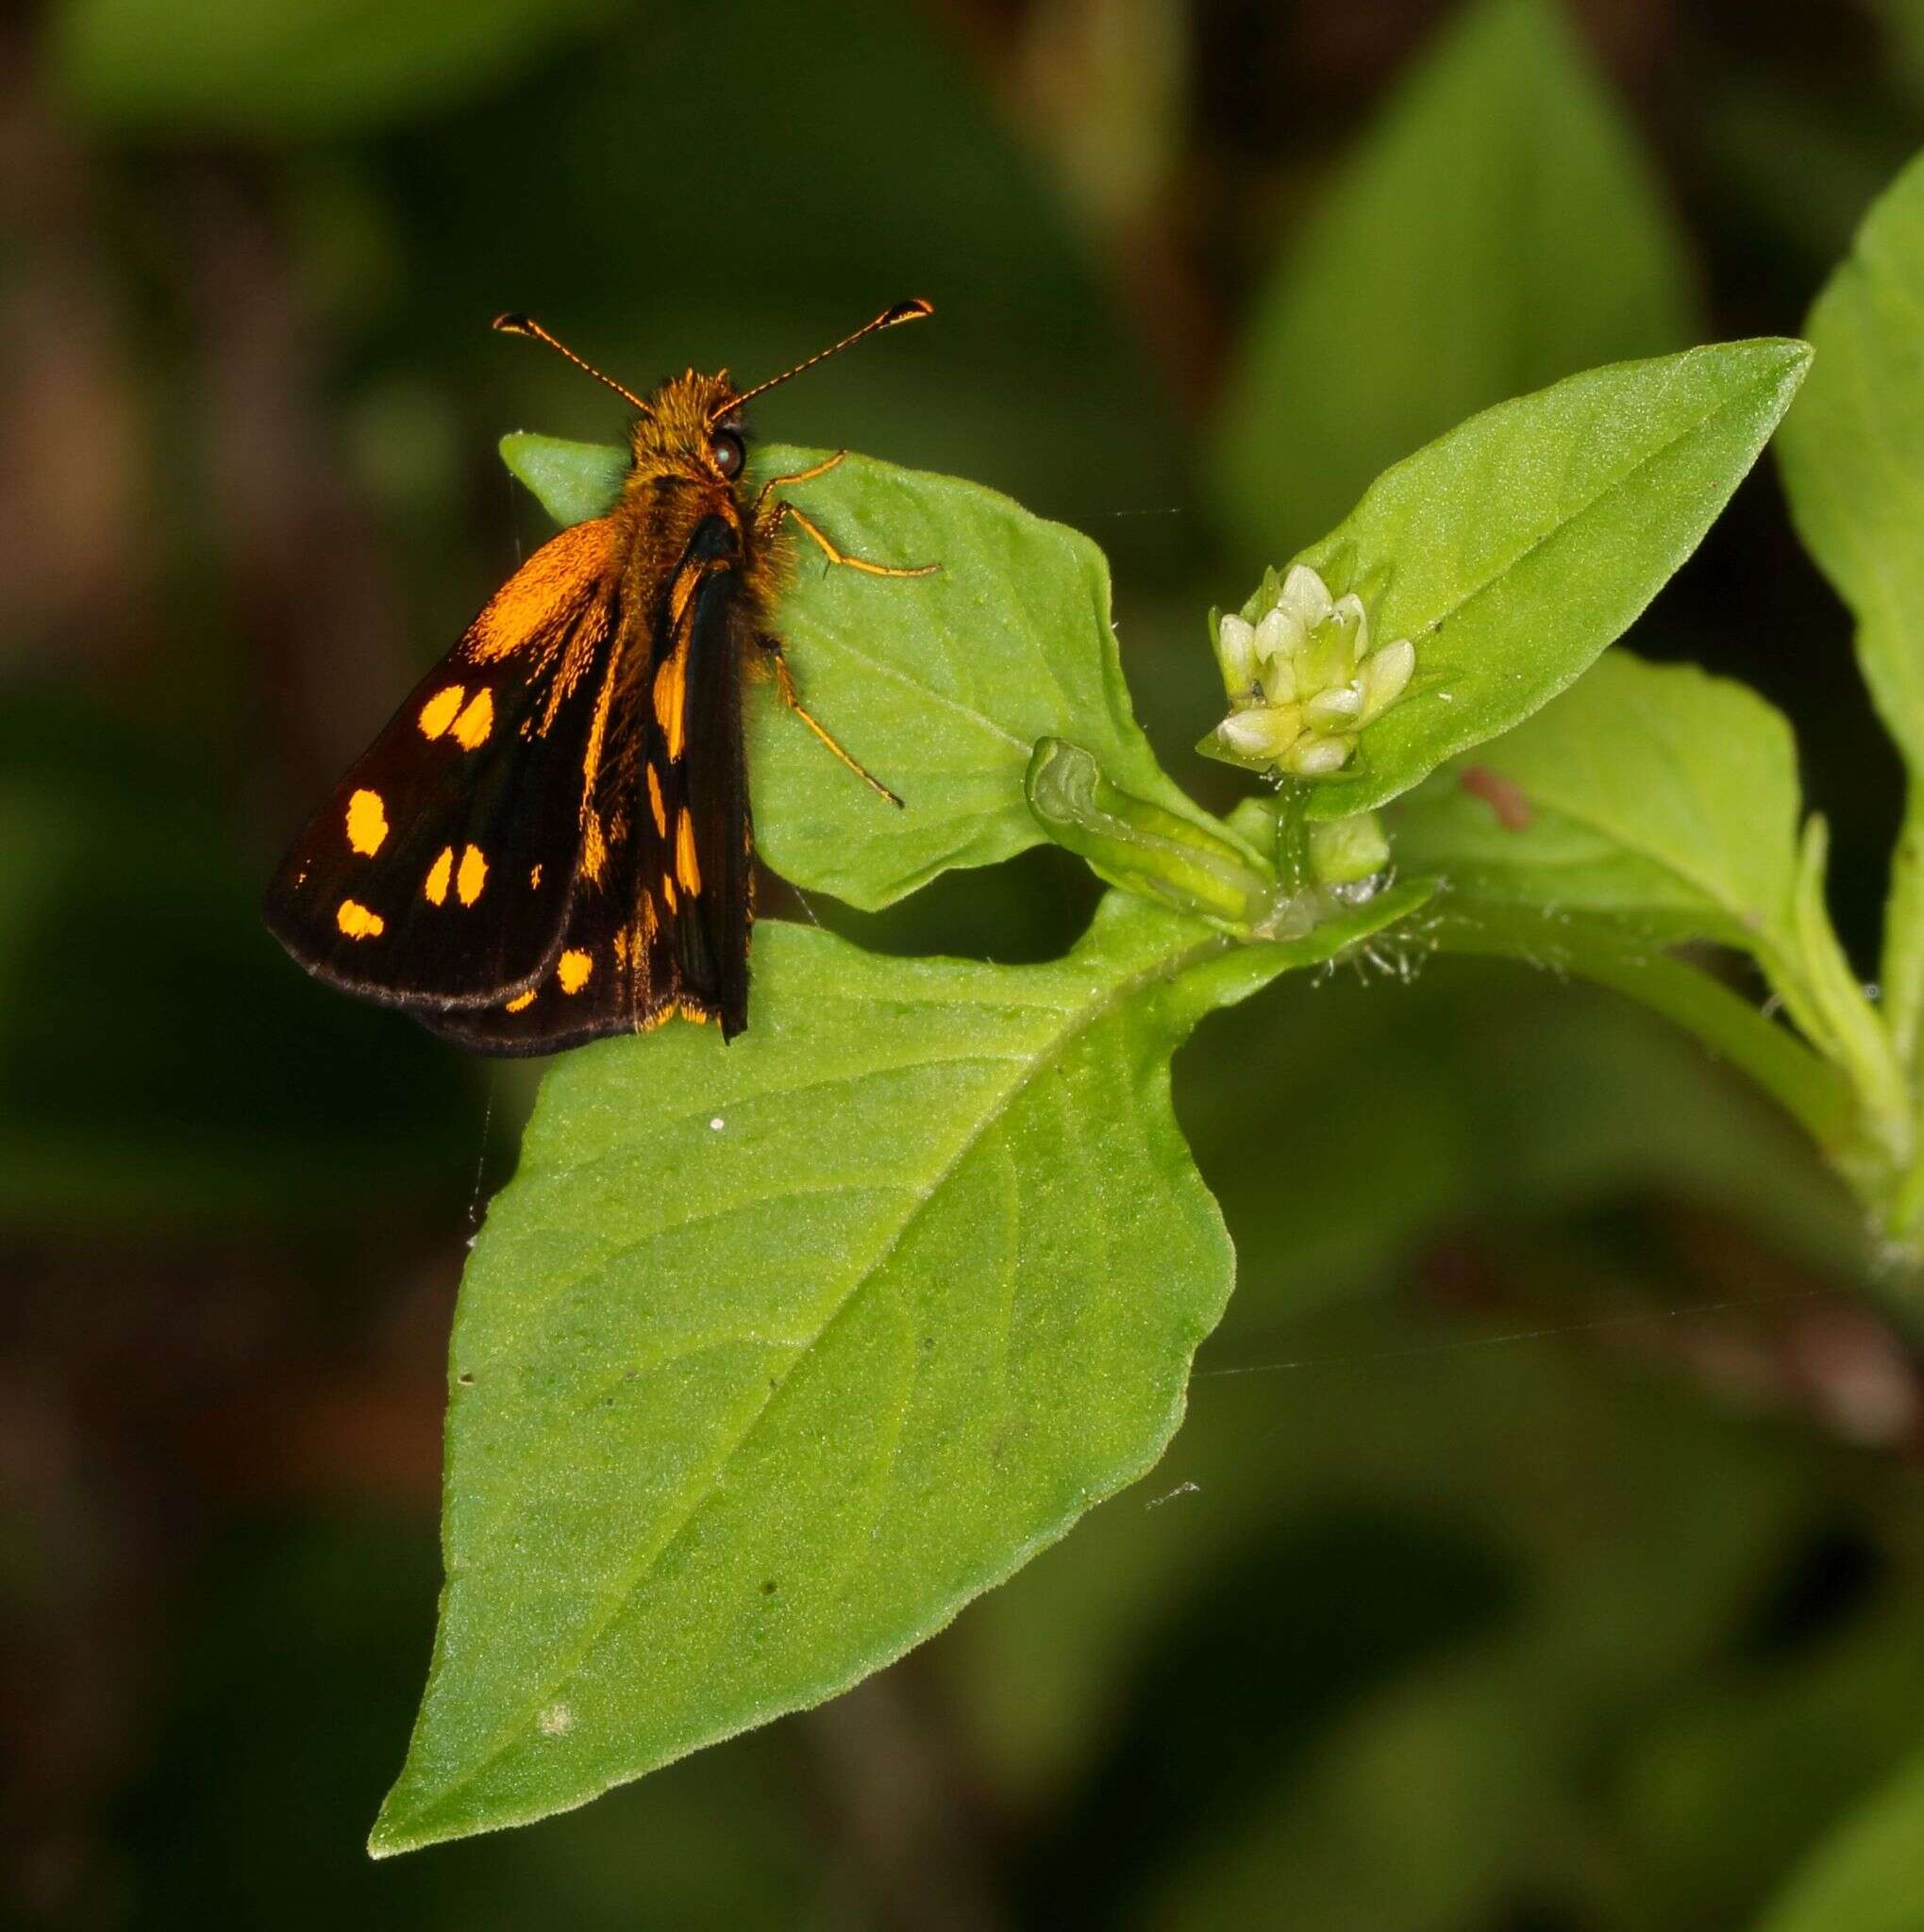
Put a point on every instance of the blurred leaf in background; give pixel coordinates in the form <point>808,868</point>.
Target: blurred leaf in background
<point>297,69</point>
<point>1497,228</point>
<point>737,185</point>
<point>300,1671</point>
<point>1870,1875</point>
<point>160,1069</point>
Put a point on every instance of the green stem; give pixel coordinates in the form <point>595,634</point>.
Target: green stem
<point>1295,872</point>
<point>1809,1088</point>
<point>1859,1042</point>
<point>1902,969</point>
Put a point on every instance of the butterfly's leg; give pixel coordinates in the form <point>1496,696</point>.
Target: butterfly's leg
<point>772,521</point>
<point>761,511</point>
<point>784,682</point>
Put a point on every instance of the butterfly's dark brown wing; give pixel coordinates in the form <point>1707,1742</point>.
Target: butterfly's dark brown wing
<point>443,870</point>
<point>665,927</point>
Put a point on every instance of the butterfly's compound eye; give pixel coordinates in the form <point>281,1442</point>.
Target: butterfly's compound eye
<point>724,447</point>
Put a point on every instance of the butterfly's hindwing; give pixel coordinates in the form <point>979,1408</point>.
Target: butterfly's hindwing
<point>442,871</point>
<point>584,993</point>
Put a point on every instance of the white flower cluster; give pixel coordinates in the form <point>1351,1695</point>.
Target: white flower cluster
<point>1304,680</point>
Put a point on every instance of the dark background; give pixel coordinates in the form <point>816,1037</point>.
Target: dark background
<point>1559,1568</point>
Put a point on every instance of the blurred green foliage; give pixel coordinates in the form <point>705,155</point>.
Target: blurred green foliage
<point>297,69</point>
<point>1497,228</point>
<point>1614,1626</point>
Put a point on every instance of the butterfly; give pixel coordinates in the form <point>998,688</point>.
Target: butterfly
<point>551,839</point>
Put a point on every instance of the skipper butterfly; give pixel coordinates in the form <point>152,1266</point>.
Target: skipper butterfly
<point>551,839</point>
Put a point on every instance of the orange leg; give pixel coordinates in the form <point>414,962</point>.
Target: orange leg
<point>822,541</point>
<point>768,520</point>
<point>806,475</point>
<point>785,683</point>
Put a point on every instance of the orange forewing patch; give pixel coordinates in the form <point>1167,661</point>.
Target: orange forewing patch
<point>538,596</point>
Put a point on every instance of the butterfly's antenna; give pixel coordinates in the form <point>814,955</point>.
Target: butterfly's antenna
<point>901,312</point>
<point>526,326</point>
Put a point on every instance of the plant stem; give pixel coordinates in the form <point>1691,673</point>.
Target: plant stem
<point>1902,972</point>
<point>1295,873</point>
<point>1809,1088</point>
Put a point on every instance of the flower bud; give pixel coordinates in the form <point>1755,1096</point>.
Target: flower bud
<point>1278,636</point>
<point>1314,757</point>
<point>1354,621</point>
<point>1333,709</point>
<point>1304,678</point>
<point>1262,734</point>
<point>1385,676</point>
<point>1235,653</point>
<point>1305,596</point>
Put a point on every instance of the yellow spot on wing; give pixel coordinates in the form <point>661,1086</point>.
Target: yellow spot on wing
<point>534,876</point>
<point>367,822</point>
<point>472,876</point>
<point>520,1002</point>
<point>435,885</point>
<point>686,869</point>
<point>437,714</point>
<point>671,695</point>
<point>668,896</point>
<point>593,844</point>
<point>358,923</point>
<point>655,803</point>
<point>472,727</point>
<point>573,969</point>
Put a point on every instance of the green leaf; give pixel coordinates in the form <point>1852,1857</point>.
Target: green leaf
<point>1651,793</point>
<point>571,481</point>
<point>1853,451</point>
<point>297,68</point>
<point>1648,805</point>
<point>1496,230</point>
<point>773,1356</point>
<point>1528,855</point>
<point>1853,463</point>
<point>940,685</point>
<point>1514,549</point>
<point>1868,1876</point>
<point>1651,804</point>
